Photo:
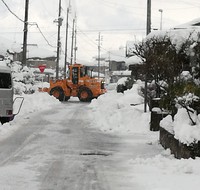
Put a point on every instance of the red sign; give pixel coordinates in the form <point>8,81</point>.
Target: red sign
<point>42,68</point>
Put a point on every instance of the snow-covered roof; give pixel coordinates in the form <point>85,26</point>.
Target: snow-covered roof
<point>178,37</point>
<point>134,60</point>
<point>192,24</point>
<point>181,33</point>
<point>177,34</point>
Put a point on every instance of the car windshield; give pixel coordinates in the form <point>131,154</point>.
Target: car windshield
<point>5,80</point>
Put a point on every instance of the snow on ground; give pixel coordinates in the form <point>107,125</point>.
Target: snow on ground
<point>32,103</point>
<point>112,113</point>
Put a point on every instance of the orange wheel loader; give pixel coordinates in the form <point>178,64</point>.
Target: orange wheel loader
<point>78,84</point>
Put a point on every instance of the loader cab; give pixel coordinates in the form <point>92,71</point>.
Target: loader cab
<point>75,75</point>
<point>77,71</point>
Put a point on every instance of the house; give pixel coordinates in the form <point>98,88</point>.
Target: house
<point>136,66</point>
<point>38,56</point>
<point>133,62</point>
<point>178,35</point>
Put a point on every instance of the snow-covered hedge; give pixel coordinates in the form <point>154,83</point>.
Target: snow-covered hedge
<point>23,78</point>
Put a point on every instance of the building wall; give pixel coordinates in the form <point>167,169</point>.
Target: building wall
<point>36,63</point>
<point>117,66</point>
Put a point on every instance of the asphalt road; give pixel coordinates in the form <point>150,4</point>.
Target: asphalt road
<point>58,150</point>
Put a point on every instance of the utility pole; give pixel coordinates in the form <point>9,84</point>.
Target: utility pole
<point>148,30</point>
<point>99,53</point>
<point>161,13</point>
<point>58,40</point>
<point>75,41</point>
<point>25,33</point>
<point>99,50</point>
<point>66,40</point>
<point>72,46</point>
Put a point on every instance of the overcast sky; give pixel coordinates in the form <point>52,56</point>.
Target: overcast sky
<point>118,21</point>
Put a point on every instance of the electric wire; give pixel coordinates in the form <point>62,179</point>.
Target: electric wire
<point>95,44</point>
<point>12,11</point>
<point>44,36</point>
<point>29,23</point>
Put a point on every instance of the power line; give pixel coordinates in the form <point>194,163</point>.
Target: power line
<point>12,11</point>
<point>34,23</point>
<point>114,4</point>
<point>197,3</point>
<point>114,30</point>
<point>95,44</point>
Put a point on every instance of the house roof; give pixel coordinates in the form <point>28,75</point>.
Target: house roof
<point>134,60</point>
<point>192,24</point>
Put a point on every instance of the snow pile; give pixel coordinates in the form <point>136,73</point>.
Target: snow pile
<point>32,103</point>
<point>112,112</point>
<point>38,101</point>
<point>24,82</point>
<point>163,172</point>
<point>182,128</point>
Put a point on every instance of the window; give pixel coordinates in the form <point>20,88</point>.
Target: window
<point>75,75</point>
<point>5,80</point>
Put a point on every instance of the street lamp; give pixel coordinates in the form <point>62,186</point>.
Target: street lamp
<point>161,11</point>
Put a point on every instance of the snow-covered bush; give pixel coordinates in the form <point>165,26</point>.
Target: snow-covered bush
<point>166,56</point>
<point>23,78</point>
<point>124,83</point>
<point>185,124</point>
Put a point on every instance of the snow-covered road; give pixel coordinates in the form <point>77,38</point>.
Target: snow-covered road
<point>57,149</point>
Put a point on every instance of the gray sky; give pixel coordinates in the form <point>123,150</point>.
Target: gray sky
<point>118,21</point>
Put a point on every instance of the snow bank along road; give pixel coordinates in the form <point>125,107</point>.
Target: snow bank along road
<point>57,149</point>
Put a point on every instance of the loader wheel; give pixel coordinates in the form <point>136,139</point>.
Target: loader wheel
<point>57,93</point>
<point>85,94</point>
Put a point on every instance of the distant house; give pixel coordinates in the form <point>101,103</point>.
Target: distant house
<point>133,62</point>
<point>136,66</point>
<point>116,75</point>
<point>38,56</point>
<point>114,60</point>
